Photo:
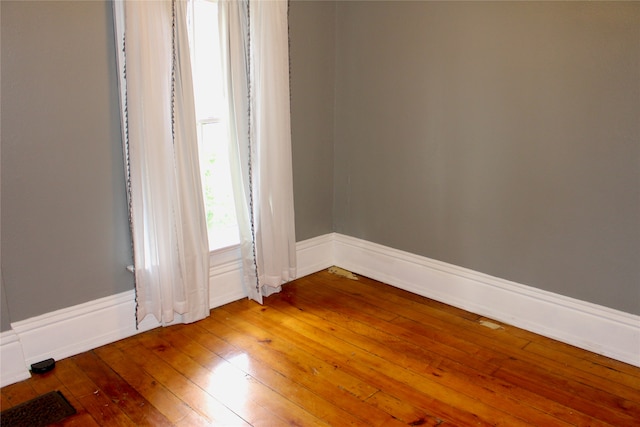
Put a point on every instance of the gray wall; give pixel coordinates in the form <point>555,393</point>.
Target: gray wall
<point>5,319</point>
<point>503,137</point>
<point>65,234</point>
<point>312,47</point>
<point>4,308</point>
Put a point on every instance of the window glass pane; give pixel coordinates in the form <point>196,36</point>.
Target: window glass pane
<point>218,191</point>
<point>207,72</point>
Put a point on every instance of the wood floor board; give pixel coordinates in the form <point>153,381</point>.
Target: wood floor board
<point>609,373</point>
<point>318,368</point>
<point>549,361</point>
<point>41,384</point>
<point>47,382</point>
<point>17,393</point>
<point>471,338</point>
<point>420,373</point>
<point>413,357</point>
<point>4,402</point>
<point>426,302</point>
<point>193,419</point>
<point>552,358</point>
<point>439,319</point>
<point>185,389</point>
<point>81,419</point>
<point>356,361</point>
<point>341,402</point>
<point>155,393</point>
<point>307,399</point>
<point>403,411</point>
<point>119,391</point>
<point>232,387</point>
<point>290,358</point>
<point>403,340</point>
<point>596,403</point>
<point>330,351</point>
<point>632,372</point>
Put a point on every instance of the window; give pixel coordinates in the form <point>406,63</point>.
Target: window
<point>211,116</point>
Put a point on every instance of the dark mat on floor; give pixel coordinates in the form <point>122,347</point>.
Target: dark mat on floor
<point>39,412</point>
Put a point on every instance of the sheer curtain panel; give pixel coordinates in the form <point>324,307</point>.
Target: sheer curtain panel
<point>255,50</point>
<point>166,208</point>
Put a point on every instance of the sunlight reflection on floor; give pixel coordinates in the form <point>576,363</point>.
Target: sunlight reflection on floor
<point>230,381</point>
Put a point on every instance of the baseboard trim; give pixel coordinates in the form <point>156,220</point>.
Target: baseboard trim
<point>80,328</point>
<point>315,254</point>
<point>12,368</point>
<point>599,329</point>
<point>225,277</point>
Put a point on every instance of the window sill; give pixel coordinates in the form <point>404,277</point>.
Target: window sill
<point>225,255</point>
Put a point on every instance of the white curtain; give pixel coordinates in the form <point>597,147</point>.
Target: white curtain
<point>170,247</point>
<point>255,51</point>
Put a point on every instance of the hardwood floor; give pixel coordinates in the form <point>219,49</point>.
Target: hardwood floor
<point>333,351</point>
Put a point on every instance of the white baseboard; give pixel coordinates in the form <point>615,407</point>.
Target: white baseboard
<point>599,329</point>
<point>80,328</point>
<point>315,254</point>
<point>225,277</point>
<point>73,330</point>
<point>12,366</point>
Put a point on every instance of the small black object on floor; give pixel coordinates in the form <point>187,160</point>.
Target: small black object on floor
<point>39,412</point>
<point>43,367</point>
